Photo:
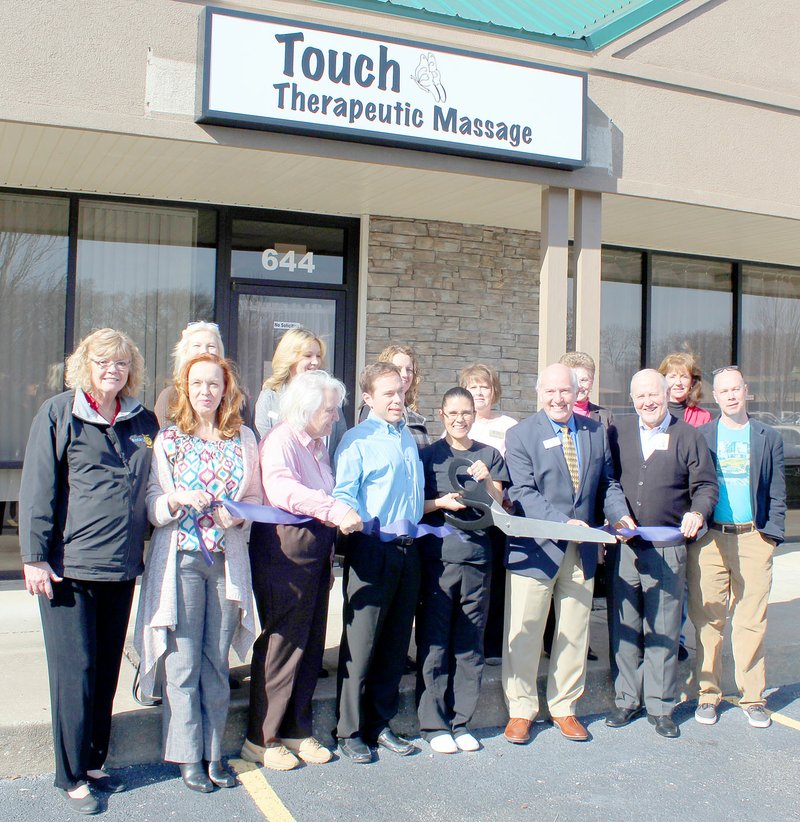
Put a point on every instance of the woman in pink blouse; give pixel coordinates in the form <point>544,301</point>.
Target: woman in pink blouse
<point>291,569</point>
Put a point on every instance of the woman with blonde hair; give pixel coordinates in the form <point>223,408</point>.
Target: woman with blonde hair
<point>404,358</point>
<point>489,426</point>
<point>684,387</point>
<point>197,338</point>
<point>82,521</point>
<point>297,351</point>
<point>196,598</point>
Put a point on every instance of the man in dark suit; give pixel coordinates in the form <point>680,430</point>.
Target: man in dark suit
<point>561,470</point>
<point>732,565</point>
<point>666,472</point>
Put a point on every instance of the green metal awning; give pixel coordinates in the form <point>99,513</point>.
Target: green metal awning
<point>578,24</point>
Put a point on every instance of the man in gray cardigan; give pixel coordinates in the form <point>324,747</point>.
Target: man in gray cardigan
<point>668,479</point>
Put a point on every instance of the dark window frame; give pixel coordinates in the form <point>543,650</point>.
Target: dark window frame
<point>224,285</point>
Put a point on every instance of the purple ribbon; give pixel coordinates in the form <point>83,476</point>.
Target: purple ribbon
<point>207,555</point>
<point>649,533</point>
<point>277,516</point>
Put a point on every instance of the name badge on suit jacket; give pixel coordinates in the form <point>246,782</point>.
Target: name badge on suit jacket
<point>661,442</point>
<point>553,442</point>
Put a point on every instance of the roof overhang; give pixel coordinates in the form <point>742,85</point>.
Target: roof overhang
<point>322,176</point>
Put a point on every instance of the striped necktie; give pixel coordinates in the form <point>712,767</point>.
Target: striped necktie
<point>571,456</point>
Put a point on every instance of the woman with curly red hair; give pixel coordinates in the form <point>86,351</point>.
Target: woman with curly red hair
<point>196,598</point>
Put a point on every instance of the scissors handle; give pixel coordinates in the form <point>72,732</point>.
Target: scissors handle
<point>473,495</point>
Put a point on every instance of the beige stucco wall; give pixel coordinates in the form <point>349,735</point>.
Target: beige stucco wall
<point>686,108</point>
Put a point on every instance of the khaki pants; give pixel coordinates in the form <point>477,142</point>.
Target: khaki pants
<point>730,572</point>
<point>527,605</point>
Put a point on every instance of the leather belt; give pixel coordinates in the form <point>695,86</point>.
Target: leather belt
<point>734,527</point>
<point>403,540</point>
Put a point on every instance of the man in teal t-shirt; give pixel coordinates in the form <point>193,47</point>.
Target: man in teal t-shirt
<point>730,568</point>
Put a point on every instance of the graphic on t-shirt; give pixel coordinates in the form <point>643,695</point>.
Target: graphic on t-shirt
<point>733,473</point>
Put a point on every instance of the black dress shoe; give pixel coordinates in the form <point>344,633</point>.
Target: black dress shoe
<point>86,805</point>
<point>356,750</point>
<point>195,777</point>
<point>620,717</point>
<point>106,784</point>
<point>396,744</point>
<point>220,776</point>
<point>665,726</point>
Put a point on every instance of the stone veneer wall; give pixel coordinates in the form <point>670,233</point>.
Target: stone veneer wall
<point>457,294</point>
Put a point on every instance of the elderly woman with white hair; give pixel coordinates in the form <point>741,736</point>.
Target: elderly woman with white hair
<point>196,339</point>
<point>291,571</point>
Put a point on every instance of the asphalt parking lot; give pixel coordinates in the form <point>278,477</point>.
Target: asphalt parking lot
<point>724,772</point>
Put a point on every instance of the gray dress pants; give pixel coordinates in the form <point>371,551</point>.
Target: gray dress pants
<point>648,585</point>
<point>196,692</point>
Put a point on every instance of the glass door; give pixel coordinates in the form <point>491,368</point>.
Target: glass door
<point>259,317</point>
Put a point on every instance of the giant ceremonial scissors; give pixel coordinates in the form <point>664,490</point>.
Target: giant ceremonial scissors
<point>474,495</point>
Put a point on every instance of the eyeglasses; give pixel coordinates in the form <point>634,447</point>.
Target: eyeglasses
<point>107,365</point>
<point>458,415</point>
<point>725,368</point>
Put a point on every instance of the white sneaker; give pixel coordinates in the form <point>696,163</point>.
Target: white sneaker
<point>467,742</point>
<point>443,744</point>
<point>757,716</point>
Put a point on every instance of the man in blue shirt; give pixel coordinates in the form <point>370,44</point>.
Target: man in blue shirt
<point>379,474</point>
<point>731,567</point>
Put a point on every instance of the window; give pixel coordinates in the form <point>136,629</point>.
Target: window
<point>147,271</point>
<point>771,341</point>
<point>33,277</point>
<point>287,252</point>
<point>620,327</point>
<point>692,310</point>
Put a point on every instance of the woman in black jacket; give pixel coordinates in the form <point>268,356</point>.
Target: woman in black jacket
<point>82,527</point>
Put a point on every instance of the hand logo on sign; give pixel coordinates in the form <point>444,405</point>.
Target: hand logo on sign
<point>428,78</point>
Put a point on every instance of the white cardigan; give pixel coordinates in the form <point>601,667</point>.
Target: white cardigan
<point>158,599</point>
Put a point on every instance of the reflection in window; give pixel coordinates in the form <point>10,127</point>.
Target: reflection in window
<point>263,320</point>
<point>620,327</point>
<point>771,341</point>
<point>692,305</point>
<point>33,275</point>
<point>147,271</point>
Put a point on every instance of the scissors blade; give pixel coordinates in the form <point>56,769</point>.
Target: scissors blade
<point>545,529</point>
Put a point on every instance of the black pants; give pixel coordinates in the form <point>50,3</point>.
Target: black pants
<point>381,584</point>
<point>291,567</point>
<point>494,635</point>
<point>455,601</point>
<point>84,629</point>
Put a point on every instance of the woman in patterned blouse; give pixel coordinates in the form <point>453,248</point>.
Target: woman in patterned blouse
<point>196,593</point>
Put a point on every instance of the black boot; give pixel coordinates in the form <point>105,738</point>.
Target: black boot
<point>220,776</point>
<point>195,777</point>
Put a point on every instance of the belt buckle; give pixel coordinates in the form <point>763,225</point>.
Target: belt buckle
<point>405,540</point>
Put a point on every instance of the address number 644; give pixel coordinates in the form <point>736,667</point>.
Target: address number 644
<point>272,261</point>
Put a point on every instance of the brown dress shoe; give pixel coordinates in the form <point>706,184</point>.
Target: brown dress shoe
<point>518,730</point>
<point>571,728</point>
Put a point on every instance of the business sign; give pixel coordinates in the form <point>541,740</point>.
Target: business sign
<point>282,75</point>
